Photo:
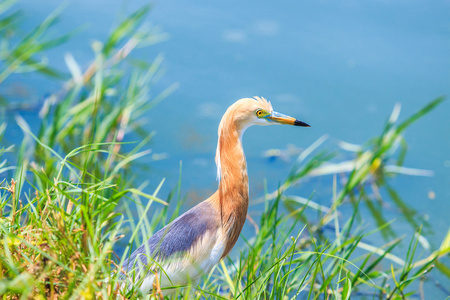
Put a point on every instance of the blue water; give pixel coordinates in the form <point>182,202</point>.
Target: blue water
<point>339,66</point>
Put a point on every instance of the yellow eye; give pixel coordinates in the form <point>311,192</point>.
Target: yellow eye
<point>259,113</point>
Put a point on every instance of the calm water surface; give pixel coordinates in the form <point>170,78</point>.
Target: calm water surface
<point>339,66</point>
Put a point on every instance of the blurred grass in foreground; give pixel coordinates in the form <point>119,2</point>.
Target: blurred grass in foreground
<point>72,194</point>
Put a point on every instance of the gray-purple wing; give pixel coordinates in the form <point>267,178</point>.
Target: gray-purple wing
<point>176,238</point>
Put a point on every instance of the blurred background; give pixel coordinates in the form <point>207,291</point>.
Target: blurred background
<point>339,66</point>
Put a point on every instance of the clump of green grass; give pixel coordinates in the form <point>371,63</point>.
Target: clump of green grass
<point>69,198</point>
<point>59,212</point>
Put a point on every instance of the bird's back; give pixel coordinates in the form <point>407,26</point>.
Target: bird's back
<point>186,248</point>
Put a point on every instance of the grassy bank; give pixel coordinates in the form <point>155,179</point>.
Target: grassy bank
<point>69,200</point>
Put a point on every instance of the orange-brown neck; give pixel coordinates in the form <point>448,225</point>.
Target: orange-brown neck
<point>232,195</point>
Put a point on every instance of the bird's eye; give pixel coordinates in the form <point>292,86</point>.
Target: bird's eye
<point>259,113</point>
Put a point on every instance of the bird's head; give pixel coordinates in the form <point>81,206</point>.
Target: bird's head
<point>258,111</point>
<point>243,114</point>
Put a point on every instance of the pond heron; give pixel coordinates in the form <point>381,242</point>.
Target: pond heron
<point>193,243</point>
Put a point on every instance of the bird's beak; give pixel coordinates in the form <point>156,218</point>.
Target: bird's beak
<point>283,119</point>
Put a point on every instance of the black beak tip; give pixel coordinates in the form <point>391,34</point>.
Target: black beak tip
<point>300,123</point>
